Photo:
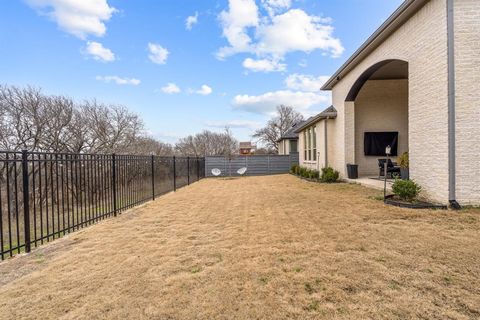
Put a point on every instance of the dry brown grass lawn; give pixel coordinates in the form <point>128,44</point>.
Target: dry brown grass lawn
<point>255,248</point>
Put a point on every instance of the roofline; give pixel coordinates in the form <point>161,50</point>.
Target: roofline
<point>398,18</point>
<point>287,139</point>
<point>316,119</point>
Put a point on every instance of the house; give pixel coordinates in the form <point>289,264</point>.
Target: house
<point>246,148</point>
<point>416,81</point>
<point>314,139</point>
<point>288,142</point>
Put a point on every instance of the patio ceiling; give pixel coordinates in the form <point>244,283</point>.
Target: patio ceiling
<point>391,71</point>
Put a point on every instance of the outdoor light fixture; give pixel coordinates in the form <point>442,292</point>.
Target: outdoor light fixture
<point>388,151</point>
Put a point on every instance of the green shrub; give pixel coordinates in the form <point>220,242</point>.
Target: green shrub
<point>311,174</point>
<point>403,160</point>
<point>314,174</point>
<point>406,190</point>
<point>329,175</point>
<point>305,173</point>
<point>294,169</point>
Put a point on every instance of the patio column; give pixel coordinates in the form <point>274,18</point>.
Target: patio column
<point>349,133</point>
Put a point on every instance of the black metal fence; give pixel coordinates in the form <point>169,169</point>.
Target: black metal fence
<point>44,196</point>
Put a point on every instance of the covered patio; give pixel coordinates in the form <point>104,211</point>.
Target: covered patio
<point>379,111</point>
<point>372,182</point>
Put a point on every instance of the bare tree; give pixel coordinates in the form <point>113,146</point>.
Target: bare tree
<point>32,120</point>
<point>21,120</point>
<point>285,118</point>
<point>264,151</point>
<point>58,112</point>
<point>207,143</point>
<point>147,145</point>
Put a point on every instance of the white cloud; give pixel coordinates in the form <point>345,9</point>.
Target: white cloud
<point>158,54</point>
<point>80,18</point>
<point>204,90</point>
<point>267,102</point>
<point>304,82</point>
<point>263,65</point>
<point>241,14</point>
<point>234,124</point>
<point>171,88</point>
<point>274,6</point>
<point>118,80</point>
<point>277,34</point>
<point>295,30</point>
<point>191,20</point>
<point>99,52</point>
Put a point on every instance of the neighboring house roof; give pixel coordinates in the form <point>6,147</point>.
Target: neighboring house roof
<point>330,113</point>
<point>246,145</point>
<point>396,20</point>
<point>291,133</point>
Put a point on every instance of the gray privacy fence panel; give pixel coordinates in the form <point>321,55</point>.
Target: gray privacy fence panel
<point>255,164</point>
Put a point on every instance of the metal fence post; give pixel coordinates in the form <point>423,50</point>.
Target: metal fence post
<point>26,200</point>
<point>188,170</point>
<point>114,184</point>
<point>174,174</point>
<point>153,177</point>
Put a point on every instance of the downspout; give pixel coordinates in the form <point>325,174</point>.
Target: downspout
<point>451,107</point>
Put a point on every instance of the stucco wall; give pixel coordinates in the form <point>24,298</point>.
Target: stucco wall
<point>301,156</point>
<point>381,105</point>
<point>422,42</point>
<point>281,147</point>
<point>467,71</point>
<point>301,149</point>
<point>284,147</point>
<point>320,133</point>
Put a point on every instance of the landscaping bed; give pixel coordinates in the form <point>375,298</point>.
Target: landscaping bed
<point>395,201</point>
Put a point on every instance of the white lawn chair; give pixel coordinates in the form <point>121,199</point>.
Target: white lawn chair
<point>216,172</point>
<point>242,171</point>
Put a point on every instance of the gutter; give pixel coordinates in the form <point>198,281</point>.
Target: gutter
<point>451,107</point>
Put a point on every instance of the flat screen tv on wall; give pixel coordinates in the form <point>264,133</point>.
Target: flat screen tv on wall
<point>374,143</point>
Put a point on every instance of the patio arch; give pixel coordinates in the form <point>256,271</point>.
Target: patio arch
<point>378,104</point>
<point>386,69</point>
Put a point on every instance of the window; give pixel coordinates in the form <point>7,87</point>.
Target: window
<point>293,146</point>
<point>314,138</point>
<point>309,136</point>
<point>305,145</point>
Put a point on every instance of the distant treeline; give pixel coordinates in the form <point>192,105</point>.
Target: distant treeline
<point>34,121</point>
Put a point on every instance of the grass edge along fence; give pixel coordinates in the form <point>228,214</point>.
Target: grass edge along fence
<point>44,196</point>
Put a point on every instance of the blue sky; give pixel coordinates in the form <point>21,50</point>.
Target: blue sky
<point>229,64</point>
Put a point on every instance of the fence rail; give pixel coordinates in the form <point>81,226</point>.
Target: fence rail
<point>44,196</point>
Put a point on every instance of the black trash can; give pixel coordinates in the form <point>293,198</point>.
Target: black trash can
<point>352,171</point>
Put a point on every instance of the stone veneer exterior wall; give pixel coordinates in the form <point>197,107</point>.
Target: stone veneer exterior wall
<point>467,74</point>
<point>422,42</point>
